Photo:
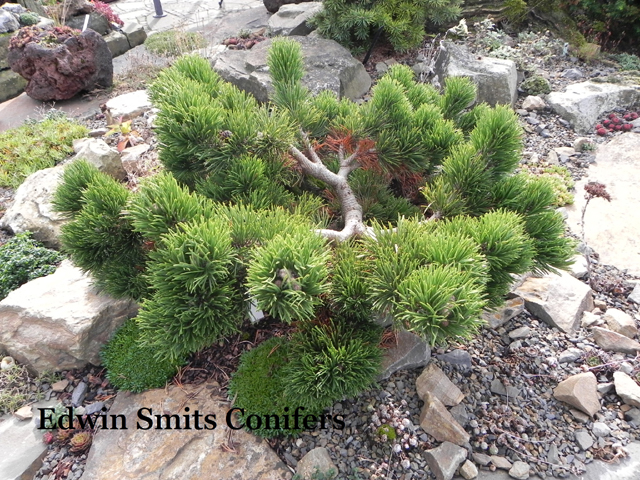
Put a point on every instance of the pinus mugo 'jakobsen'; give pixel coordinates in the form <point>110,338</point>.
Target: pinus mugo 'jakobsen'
<point>319,211</point>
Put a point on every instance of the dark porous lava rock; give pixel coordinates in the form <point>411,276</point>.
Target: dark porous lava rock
<point>58,72</point>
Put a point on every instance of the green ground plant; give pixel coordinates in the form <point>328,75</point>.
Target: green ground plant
<point>627,61</point>
<point>36,145</point>
<point>14,388</point>
<point>279,205</point>
<point>23,259</point>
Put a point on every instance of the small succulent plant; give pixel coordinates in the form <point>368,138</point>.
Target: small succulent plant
<point>614,123</point>
<point>80,442</point>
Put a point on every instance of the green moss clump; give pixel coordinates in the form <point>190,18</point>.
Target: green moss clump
<point>22,259</point>
<point>174,43</point>
<point>536,85</point>
<point>131,366</point>
<point>388,431</point>
<point>34,146</point>
<point>259,385</point>
<point>29,18</point>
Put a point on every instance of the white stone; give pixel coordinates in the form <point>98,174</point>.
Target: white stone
<point>468,470</point>
<point>590,319</point>
<point>316,459</point>
<point>579,391</point>
<point>60,321</point>
<point>582,104</point>
<point>128,106</point>
<point>627,388</point>
<point>558,300</point>
<point>601,429</point>
<point>131,156</point>
<point>579,267</point>
<point>519,470</point>
<point>24,413</point>
<point>7,363</point>
<point>533,102</point>
<point>620,322</point>
<point>100,155</point>
<point>32,209</point>
<point>634,296</point>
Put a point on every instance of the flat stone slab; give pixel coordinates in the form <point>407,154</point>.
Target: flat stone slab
<point>610,226</point>
<point>169,454</point>
<point>22,446</point>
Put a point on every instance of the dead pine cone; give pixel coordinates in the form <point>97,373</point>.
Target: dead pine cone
<point>80,442</point>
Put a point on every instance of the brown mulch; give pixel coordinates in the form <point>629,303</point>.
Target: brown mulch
<point>217,362</point>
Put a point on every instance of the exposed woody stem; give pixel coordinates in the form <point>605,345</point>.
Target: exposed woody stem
<point>351,208</point>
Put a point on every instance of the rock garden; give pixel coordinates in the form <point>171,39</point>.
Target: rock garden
<point>274,261</point>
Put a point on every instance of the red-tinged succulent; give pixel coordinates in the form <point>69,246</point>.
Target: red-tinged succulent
<point>80,442</point>
<point>598,126</point>
<point>601,131</point>
<point>627,126</point>
<point>606,122</point>
<point>48,438</point>
<point>612,116</point>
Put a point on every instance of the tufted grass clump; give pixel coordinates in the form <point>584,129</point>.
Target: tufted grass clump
<point>132,366</point>
<point>174,42</point>
<point>23,259</point>
<point>35,146</point>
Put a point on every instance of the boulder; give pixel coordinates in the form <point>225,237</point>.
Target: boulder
<point>614,342</point>
<point>620,322</point>
<point>32,210</point>
<point>274,5</point>
<point>328,66</point>
<point>14,8</point>
<point>558,300</point>
<point>292,19</point>
<point>579,391</point>
<point>495,78</point>
<point>8,22</point>
<point>468,470</point>
<point>445,459</point>
<point>97,23</point>
<point>100,155</point>
<point>512,308</point>
<point>11,85</point>
<point>410,351</point>
<point>60,321</point>
<point>172,454</point>
<point>80,63</point>
<point>117,43</point>
<point>435,381</point>
<point>318,460</point>
<point>616,166</point>
<point>627,388</point>
<point>582,104</point>
<point>128,106</point>
<point>135,33</point>
<point>436,420</point>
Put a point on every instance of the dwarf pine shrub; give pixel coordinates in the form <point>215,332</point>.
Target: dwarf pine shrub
<point>321,212</point>
<point>352,23</point>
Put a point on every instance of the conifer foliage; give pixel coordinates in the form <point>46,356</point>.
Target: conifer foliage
<point>323,213</point>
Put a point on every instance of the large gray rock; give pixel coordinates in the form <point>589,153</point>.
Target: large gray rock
<point>5,38</point>
<point>171,454</point>
<point>135,33</point>
<point>495,78</point>
<point>117,43</point>
<point>621,322</point>
<point>582,104</point>
<point>292,19</point>
<point>100,155</point>
<point>11,85</point>
<point>32,210</point>
<point>607,224</point>
<point>410,351</point>
<point>60,321</point>
<point>97,23</point>
<point>8,22</point>
<point>328,66</point>
<point>558,300</point>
